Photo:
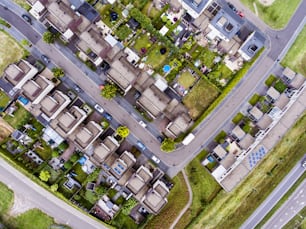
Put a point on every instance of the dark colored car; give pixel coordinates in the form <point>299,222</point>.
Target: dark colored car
<point>160,139</point>
<point>108,116</point>
<point>45,59</point>
<point>27,18</point>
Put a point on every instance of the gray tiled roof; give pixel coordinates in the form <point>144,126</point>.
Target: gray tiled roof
<point>253,44</point>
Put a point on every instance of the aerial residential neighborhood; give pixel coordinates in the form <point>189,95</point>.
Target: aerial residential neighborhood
<point>152,114</point>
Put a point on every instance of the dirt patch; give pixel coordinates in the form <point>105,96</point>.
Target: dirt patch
<point>5,129</point>
<point>266,2</point>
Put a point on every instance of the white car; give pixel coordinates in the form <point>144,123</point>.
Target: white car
<point>99,108</point>
<point>155,159</point>
<point>304,163</point>
<point>142,123</point>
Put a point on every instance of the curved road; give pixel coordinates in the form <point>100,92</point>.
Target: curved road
<point>221,116</point>
<point>274,197</point>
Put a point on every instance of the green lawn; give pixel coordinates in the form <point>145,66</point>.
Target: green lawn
<point>34,219</point>
<point>105,10</point>
<point>177,200</point>
<point>44,151</point>
<point>204,55</point>
<point>186,79</point>
<point>204,188</point>
<point>142,41</point>
<point>10,51</point>
<point>227,210</point>
<point>155,58</point>
<point>81,175</point>
<point>4,99</point>
<point>280,86</point>
<point>21,117</point>
<point>220,75</point>
<point>6,198</point>
<point>277,15</point>
<point>296,56</point>
<point>200,97</point>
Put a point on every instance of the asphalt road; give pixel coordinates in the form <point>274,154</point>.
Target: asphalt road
<point>174,162</point>
<point>42,199</point>
<point>289,209</point>
<point>275,196</point>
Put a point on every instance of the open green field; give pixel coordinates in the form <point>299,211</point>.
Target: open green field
<point>4,99</point>
<point>276,15</point>
<point>10,51</point>
<point>186,79</point>
<point>296,56</point>
<point>21,116</point>
<point>200,97</point>
<point>23,4</point>
<point>230,210</point>
<point>177,200</point>
<point>204,188</point>
<point>6,198</point>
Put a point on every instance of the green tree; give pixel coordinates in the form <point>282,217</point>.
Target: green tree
<point>168,145</point>
<point>109,91</point>
<point>49,37</point>
<point>55,153</point>
<point>44,175</point>
<point>54,187</point>
<point>123,131</point>
<point>68,165</point>
<point>58,72</point>
<point>74,158</point>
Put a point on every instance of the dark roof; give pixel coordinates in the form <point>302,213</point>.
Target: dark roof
<point>197,7</point>
<point>253,44</point>
<point>89,12</point>
<point>227,22</point>
<point>76,3</point>
<point>133,24</point>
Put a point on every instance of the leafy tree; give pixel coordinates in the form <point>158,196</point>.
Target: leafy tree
<point>109,91</point>
<point>55,153</point>
<point>168,145</point>
<point>129,205</point>
<point>123,32</point>
<point>44,175</point>
<point>49,37</point>
<point>74,158</point>
<point>54,187</point>
<point>58,72</point>
<point>123,131</point>
<point>68,165</point>
<point>101,190</point>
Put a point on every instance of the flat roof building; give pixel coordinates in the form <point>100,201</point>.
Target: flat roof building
<point>68,121</point>
<point>87,134</point>
<point>19,73</point>
<point>251,46</point>
<point>180,125</point>
<point>255,114</point>
<point>282,101</point>
<point>272,94</point>
<point>247,141</point>
<point>195,7</point>
<point>238,133</point>
<point>298,81</point>
<point>36,89</point>
<point>122,164</point>
<point>139,179</point>
<point>53,105</point>
<point>264,122</point>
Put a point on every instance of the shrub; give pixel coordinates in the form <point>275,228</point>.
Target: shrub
<point>168,145</point>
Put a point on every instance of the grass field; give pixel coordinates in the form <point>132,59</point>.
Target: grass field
<point>230,210</point>
<point>298,221</point>
<point>200,97</point>
<point>276,15</point>
<point>142,41</point>
<point>4,99</point>
<point>296,56</point>
<point>10,51</point>
<point>21,116</point>
<point>177,200</point>
<point>204,188</point>
<point>6,199</point>
<point>186,79</point>
<point>155,58</point>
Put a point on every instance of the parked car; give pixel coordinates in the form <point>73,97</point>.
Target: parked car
<point>45,59</point>
<point>155,159</point>
<point>27,18</point>
<point>160,139</point>
<point>77,89</point>
<point>142,123</point>
<point>141,146</point>
<point>99,108</point>
<point>108,116</point>
<point>304,163</point>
